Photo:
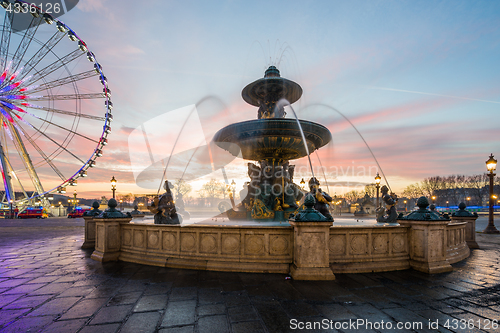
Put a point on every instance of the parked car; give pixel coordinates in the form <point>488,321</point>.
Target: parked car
<point>78,212</point>
<point>33,212</point>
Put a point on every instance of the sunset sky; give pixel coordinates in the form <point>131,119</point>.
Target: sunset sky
<point>418,79</point>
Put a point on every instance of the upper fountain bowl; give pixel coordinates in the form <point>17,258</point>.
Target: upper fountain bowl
<point>273,86</point>
<point>272,139</point>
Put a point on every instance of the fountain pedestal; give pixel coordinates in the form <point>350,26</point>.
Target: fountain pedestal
<point>428,244</point>
<point>311,251</point>
<point>462,215</point>
<point>107,232</point>
<point>89,242</point>
<point>311,259</point>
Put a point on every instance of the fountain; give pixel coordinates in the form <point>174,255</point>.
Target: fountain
<point>310,246</point>
<point>273,141</point>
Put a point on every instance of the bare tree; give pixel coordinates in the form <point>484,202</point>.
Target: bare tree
<point>182,187</point>
<point>476,186</point>
<point>211,189</point>
<point>371,189</point>
<point>353,196</point>
<point>413,191</point>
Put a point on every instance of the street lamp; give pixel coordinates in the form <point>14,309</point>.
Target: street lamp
<point>302,184</point>
<point>491,165</point>
<point>405,205</point>
<point>377,184</point>
<point>233,187</point>
<point>433,200</point>
<point>121,204</point>
<point>74,200</point>
<point>113,186</point>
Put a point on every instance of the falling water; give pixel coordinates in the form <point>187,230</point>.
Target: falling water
<point>283,102</point>
<point>361,136</point>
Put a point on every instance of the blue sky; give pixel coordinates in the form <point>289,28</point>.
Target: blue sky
<point>419,79</point>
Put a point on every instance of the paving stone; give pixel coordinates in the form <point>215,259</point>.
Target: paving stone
<point>206,296</point>
<point>29,324</point>
<point>242,313</point>
<point>183,293</point>
<point>106,328</point>
<point>7,299</point>
<point>6,316</point>
<point>183,329</point>
<point>24,288</point>
<point>55,306</point>
<point>77,291</point>
<point>111,314</point>
<point>125,298</point>
<point>335,312</point>
<point>52,289</point>
<point>179,313</point>
<point>272,314</point>
<point>150,303</point>
<point>249,326</point>
<point>211,309</point>
<point>28,302</point>
<point>158,288</point>
<point>84,308</point>
<point>141,322</point>
<point>213,324</point>
<point>11,283</point>
<point>65,326</point>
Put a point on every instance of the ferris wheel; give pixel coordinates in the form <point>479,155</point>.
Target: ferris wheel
<point>55,105</point>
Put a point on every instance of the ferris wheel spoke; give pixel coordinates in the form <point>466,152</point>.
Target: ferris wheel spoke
<point>55,66</point>
<point>26,159</point>
<point>4,43</point>
<point>69,113</point>
<point>64,81</point>
<point>6,173</point>
<point>59,145</point>
<point>64,97</point>
<point>41,53</point>
<point>66,129</point>
<point>25,42</point>
<point>13,175</point>
<point>41,152</point>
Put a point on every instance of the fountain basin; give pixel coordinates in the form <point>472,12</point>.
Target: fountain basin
<point>261,248</point>
<point>275,138</point>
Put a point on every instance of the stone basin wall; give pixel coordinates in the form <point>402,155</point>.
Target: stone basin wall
<point>221,248</point>
<point>369,249</point>
<point>261,249</point>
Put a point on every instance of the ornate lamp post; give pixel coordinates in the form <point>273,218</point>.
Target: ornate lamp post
<point>434,200</point>
<point>377,184</point>
<point>113,186</point>
<point>121,204</point>
<point>302,184</point>
<point>491,165</point>
<point>10,204</point>
<point>405,205</point>
<point>74,200</point>
<point>233,187</point>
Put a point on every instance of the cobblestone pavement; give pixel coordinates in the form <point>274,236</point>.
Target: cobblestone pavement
<point>49,284</point>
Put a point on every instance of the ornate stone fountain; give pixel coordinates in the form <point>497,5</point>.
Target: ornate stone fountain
<point>273,141</point>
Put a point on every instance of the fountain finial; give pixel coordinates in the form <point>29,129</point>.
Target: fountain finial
<point>272,71</point>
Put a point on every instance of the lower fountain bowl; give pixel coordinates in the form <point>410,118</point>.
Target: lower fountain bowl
<point>275,138</point>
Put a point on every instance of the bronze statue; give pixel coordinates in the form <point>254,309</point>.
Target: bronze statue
<point>164,208</point>
<point>390,200</point>
<point>322,198</point>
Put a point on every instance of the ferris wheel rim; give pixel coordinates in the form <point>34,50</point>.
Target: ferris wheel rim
<point>78,115</point>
